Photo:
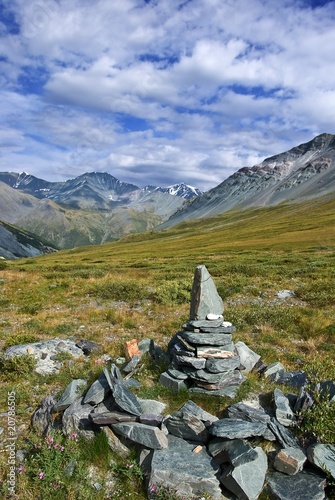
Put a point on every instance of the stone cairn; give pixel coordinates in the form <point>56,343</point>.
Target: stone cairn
<point>204,357</point>
<point>191,450</point>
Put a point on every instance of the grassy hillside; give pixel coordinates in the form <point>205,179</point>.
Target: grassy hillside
<point>140,286</point>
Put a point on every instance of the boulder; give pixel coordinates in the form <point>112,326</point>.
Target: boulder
<point>178,468</point>
<point>302,486</point>
<point>323,457</point>
<point>246,475</point>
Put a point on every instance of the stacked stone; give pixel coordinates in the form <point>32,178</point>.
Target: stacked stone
<point>203,355</point>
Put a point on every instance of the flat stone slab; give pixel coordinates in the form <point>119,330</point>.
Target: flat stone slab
<point>289,461</point>
<point>231,428</point>
<point>194,362</point>
<point>302,486</point>
<point>178,374</point>
<point>204,295</point>
<point>146,435</point>
<point>211,352</point>
<point>198,412</point>
<point>233,378</point>
<point>217,365</point>
<point>245,478</point>
<point>172,383</point>
<point>152,406</point>
<point>191,474</point>
<point>217,339</point>
<point>126,400</point>
<point>231,451</point>
<point>249,413</point>
<point>111,417</point>
<point>229,391</point>
<point>323,456</point>
<point>187,426</point>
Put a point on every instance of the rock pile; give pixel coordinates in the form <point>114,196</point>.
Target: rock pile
<point>191,450</point>
<point>204,357</point>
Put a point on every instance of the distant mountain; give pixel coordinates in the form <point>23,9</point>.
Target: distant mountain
<point>182,189</point>
<point>16,243</point>
<point>90,209</point>
<point>304,172</point>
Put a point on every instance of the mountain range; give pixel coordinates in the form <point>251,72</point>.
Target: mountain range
<point>303,173</point>
<point>96,207</point>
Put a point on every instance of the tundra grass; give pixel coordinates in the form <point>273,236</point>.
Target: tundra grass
<point>139,287</point>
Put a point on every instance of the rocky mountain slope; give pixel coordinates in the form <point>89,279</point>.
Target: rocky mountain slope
<point>15,243</point>
<point>305,172</point>
<point>90,209</point>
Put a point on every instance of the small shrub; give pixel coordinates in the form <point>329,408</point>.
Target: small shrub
<point>20,339</point>
<point>172,292</point>
<point>3,265</point>
<point>121,290</point>
<point>17,365</point>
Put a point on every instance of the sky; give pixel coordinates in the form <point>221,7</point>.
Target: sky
<point>158,92</point>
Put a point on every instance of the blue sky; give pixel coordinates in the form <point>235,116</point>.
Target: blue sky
<point>162,91</point>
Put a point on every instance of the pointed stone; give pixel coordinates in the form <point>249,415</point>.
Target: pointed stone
<point>98,391</point>
<point>72,392</point>
<point>204,296</point>
<point>284,414</point>
<point>248,357</point>
<point>126,400</point>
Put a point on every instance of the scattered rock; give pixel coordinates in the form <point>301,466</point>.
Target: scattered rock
<point>323,457</point>
<point>300,486</point>
<point>42,420</point>
<point>72,392</point>
<point>284,414</point>
<point>290,461</point>
<point>132,349</point>
<point>76,420</point>
<point>274,371</point>
<point>87,346</point>
<point>233,428</point>
<point>146,435</point>
<point>248,357</point>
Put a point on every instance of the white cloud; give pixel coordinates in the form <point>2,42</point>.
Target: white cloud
<point>162,91</point>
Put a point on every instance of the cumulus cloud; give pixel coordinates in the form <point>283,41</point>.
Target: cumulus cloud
<point>158,92</point>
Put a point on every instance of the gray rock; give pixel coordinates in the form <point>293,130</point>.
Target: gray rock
<point>72,392</point>
<point>327,389</point>
<point>191,474</point>
<point>202,324</point>
<point>285,437</point>
<point>174,384</point>
<point>246,477</point>
<point>151,419</point>
<point>284,294</point>
<point>76,420</point>
<point>131,365</point>
<point>116,443</point>
<point>283,412</point>
<point>295,379</point>
<point>248,357</point>
<point>144,345</point>
<point>126,400</point>
<point>323,456</point>
<point>210,339</point>
<point>215,381</point>
<point>197,363</point>
<point>152,406</point>
<point>87,346</point>
<point>290,461</point>
<point>232,428</point>
<point>111,417</point>
<point>132,383</point>
<point>232,451</point>
<point>45,353</point>
<point>98,391</point>
<point>42,420</point>
<point>158,354</point>
<point>249,413</point>
<point>216,365</point>
<point>197,411</point>
<point>274,371</point>
<point>178,374</point>
<point>204,296</point>
<point>187,426</point>
<point>229,391</point>
<point>146,435</point>
<point>303,402</point>
<point>302,486</point>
